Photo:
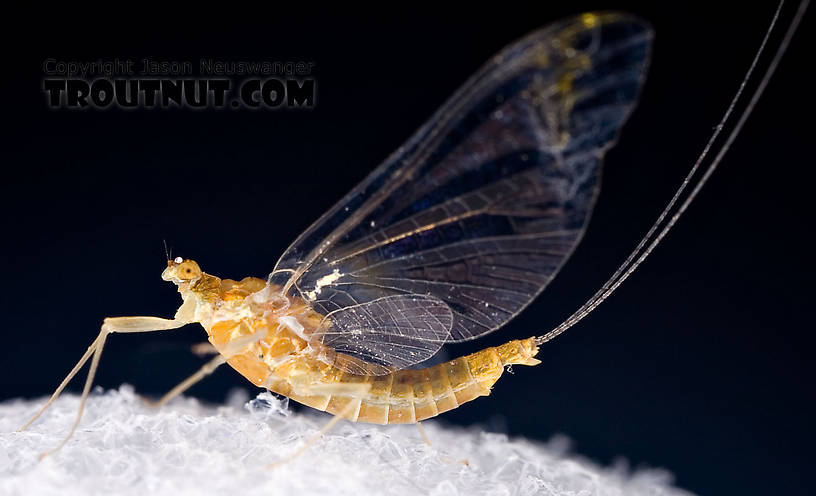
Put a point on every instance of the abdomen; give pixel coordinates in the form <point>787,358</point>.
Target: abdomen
<point>409,396</point>
<point>405,396</point>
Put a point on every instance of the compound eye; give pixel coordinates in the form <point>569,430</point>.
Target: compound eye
<point>188,270</point>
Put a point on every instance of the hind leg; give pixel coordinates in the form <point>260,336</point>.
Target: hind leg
<point>356,392</point>
<point>423,434</point>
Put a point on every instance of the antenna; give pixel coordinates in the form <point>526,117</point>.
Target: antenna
<point>167,253</point>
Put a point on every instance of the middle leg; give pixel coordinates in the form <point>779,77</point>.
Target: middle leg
<point>186,384</point>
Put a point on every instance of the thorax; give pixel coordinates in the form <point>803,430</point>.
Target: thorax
<point>264,336</point>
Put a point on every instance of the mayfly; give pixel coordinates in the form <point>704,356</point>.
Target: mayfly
<point>451,237</point>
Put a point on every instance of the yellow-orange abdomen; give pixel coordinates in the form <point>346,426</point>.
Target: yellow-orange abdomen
<point>409,396</point>
<point>274,358</point>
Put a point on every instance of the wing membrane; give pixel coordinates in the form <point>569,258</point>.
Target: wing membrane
<point>388,333</point>
<point>482,206</point>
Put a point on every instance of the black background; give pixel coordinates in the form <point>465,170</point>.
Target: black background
<point>700,363</point>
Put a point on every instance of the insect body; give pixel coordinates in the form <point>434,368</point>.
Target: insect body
<point>450,238</point>
<point>281,358</point>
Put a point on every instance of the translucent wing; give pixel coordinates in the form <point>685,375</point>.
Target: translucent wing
<point>482,206</point>
<point>385,334</point>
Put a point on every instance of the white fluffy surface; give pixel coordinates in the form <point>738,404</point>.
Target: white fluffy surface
<point>124,447</point>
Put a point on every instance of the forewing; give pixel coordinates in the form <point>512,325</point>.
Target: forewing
<point>482,206</point>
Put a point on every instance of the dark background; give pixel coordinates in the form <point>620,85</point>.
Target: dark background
<point>700,363</point>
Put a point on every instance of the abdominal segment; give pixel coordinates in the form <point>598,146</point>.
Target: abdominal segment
<point>280,362</point>
<point>405,396</point>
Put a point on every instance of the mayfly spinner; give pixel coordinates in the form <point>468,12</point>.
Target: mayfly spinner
<point>449,239</point>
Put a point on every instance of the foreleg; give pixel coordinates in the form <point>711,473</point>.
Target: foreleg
<point>109,326</point>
